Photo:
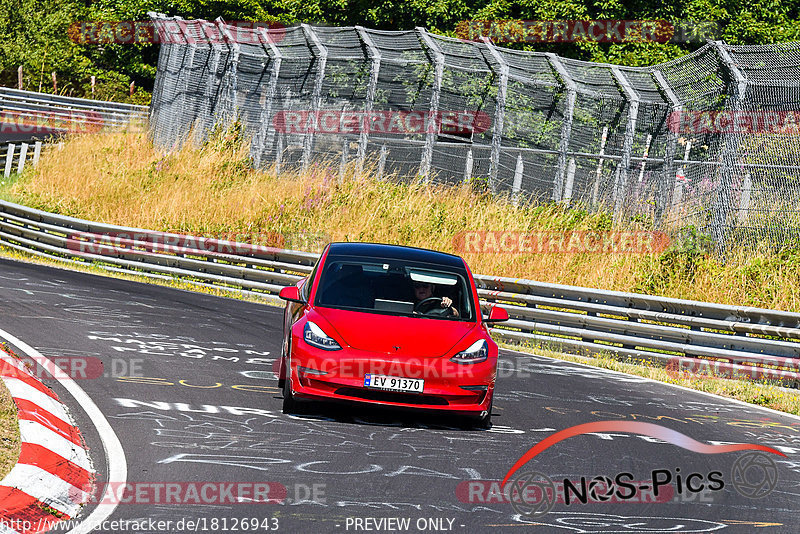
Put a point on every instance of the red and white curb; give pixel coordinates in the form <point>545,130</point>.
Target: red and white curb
<point>53,477</point>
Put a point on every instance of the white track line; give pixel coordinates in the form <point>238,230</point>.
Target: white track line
<point>684,388</point>
<point>117,466</point>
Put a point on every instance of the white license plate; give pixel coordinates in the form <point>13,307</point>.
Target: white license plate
<point>394,383</point>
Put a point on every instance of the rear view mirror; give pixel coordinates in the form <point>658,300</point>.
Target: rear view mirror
<point>497,315</point>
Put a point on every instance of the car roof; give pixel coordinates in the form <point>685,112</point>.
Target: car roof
<point>395,252</point>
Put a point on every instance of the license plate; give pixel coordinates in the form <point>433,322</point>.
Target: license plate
<point>394,383</point>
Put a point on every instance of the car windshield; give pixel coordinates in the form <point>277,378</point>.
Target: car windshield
<point>396,287</point>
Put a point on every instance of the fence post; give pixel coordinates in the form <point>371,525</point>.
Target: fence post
<point>321,57</point>
<point>566,126</point>
<point>519,171</point>
<point>211,85</point>
<point>230,78</point>
<point>431,124</point>
<point>278,155</point>
<point>630,130</point>
<point>499,110</point>
<point>721,208</point>
<point>19,79</point>
<point>185,86</point>
<point>744,201</point>
<point>667,182</point>
<point>679,180</point>
<point>571,166</point>
<point>9,159</point>
<point>345,157</point>
<point>468,165</point>
<point>266,129</point>
<point>596,189</point>
<point>382,162</point>
<point>369,104</point>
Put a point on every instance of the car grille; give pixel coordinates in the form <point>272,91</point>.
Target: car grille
<point>390,396</point>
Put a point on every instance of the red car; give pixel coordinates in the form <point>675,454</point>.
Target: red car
<point>389,325</point>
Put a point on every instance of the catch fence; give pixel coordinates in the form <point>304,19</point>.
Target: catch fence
<point>705,141</point>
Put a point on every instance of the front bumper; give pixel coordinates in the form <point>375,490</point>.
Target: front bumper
<point>451,387</point>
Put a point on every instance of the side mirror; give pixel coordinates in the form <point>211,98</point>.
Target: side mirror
<point>292,294</point>
<point>497,315</point>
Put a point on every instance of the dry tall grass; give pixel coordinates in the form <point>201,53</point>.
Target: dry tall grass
<point>122,179</point>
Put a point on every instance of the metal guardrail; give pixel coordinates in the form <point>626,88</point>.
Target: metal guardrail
<point>684,334</point>
<point>98,113</point>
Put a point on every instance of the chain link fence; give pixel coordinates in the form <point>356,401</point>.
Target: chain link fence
<point>676,144</point>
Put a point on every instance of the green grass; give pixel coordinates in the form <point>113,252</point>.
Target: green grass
<point>9,428</point>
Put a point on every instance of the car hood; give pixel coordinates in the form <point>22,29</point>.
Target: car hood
<point>415,337</point>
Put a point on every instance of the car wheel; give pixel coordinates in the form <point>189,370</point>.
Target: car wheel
<point>282,381</point>
<point>289,402</point>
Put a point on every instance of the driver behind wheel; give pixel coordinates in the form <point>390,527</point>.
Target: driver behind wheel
<point>424,290</point>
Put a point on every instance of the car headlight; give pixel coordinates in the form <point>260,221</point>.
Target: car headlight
<point>316,337</point>
<point>476,353</point>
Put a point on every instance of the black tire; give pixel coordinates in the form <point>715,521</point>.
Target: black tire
<point>289,402</point>
<point>484,422</point>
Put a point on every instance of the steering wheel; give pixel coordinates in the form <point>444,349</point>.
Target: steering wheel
<point>432,306</point>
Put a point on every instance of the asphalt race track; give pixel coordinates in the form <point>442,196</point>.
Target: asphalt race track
<point>205,409</point>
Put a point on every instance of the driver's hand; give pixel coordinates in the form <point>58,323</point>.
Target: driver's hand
<point>446,302</point>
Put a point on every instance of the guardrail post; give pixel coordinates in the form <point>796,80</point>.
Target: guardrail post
<point>266,130</point>
<point>23,155</point>
<point>499,110</point>
<point>37,151</point>
<point>432,123</point>
<point>730,155</point>
<point>374,71</point>
<point>566,126</point>
<point>667,182</point>
<point>321,57</point>
<point>630,130</point>
<point>230,78</point>
<point>9,159</point>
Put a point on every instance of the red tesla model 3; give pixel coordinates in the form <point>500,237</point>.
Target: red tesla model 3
<point>389,325</point>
